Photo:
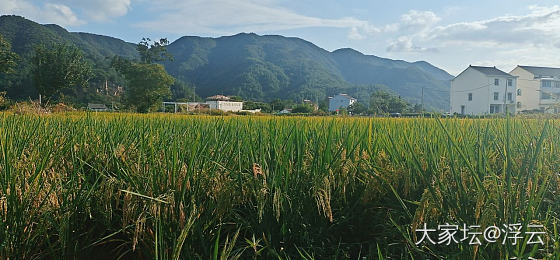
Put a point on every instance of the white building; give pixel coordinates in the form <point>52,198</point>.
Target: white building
<point>224,103</point>
<point>538,88</point>
<point>483,90</point>
<point>340,101</point>
<point>228,106</point>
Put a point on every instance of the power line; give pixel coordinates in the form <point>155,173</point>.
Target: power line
<point>474,88</point>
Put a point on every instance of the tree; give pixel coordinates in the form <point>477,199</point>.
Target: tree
<point>357,108</point>
<point>252,105</point>
<point>236,98</point>
<point>280,104</point>
<point>153,52</point>
<point>397,105</point>
<point>147,84</point>
<point>8,59</point>
<point>59,67</point>
<point>181,91</point>
<point>384,102</point>
<point>303,108</point>
<point>417,108</point>
<point>324,105</point>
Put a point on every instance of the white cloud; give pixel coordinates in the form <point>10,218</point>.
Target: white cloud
<point>419,19</point>
<point>503,41</point>
<point>354,34</point>
<point>101,10</point>
<point>405,44</point>
<point>60,14</point>
<point>220,17</point>
<point>540,27</point>
<point>45,13</point>
<point>413,24</point>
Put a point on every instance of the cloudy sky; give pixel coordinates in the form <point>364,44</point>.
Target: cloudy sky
<point>449,34</point>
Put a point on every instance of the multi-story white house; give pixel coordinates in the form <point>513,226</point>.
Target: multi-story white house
<point>483,90</point>
<point>340,101</point>
<point>538,88</point>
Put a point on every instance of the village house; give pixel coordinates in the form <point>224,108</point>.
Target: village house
<point>340,101</point>
<point>224,103</point>
<point>483,90</point>
<point>538,88</point>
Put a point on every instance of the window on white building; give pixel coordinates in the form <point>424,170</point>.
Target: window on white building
<point>494,109</point>
<point>519,92</point>
<point>518,104</point>
<point>496,95</point>
<point>510,82</point>
<point>510,96</point>
<point>497,82</point>
<point>545,95</point>
<point>546,83</point>
<point>470,96</point>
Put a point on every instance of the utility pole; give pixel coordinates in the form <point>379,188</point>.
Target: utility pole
<point>505,99</point>
<point>422,102</point>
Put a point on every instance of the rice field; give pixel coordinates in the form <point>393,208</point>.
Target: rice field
<point>108,186</point>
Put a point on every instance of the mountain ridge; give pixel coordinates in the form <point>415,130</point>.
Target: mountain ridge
<point>257,67</point>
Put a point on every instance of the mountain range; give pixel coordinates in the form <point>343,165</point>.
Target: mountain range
<point>255,67</point>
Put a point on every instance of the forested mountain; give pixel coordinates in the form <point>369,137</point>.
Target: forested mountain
<point>24,34</point>
<point>252,66</point>
<point>268,67</point>
<point>404,78</point>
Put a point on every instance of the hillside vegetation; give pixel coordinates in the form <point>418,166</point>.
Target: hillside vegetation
<point>260,68</point>
<point>268,67</point>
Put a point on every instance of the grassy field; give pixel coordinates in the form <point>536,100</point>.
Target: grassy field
<point>104,186</point>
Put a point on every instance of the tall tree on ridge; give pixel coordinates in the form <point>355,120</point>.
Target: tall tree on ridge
<point>147,83</point>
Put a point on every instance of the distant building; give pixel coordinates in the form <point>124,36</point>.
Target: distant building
<point>310,103</point>
<point>97,107</point>
<point>538,88</point>
<point>285,111</point>
<point>483,90</point>
<point>340,101</point>
<point>224,103</point>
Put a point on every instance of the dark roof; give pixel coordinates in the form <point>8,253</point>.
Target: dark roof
<point>543,72</point>
<point>491,71</point>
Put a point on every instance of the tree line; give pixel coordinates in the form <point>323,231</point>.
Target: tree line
<point>62,69</point>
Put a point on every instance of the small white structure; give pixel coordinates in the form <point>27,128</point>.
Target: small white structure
<point>538,88</point>
<point>252,111</point>
<point>224,103</point>
<point>483,90</point>
<point>97,107</point>
<point>340,101</point>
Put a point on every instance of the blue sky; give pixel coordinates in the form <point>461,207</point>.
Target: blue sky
<point>448,34</point>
